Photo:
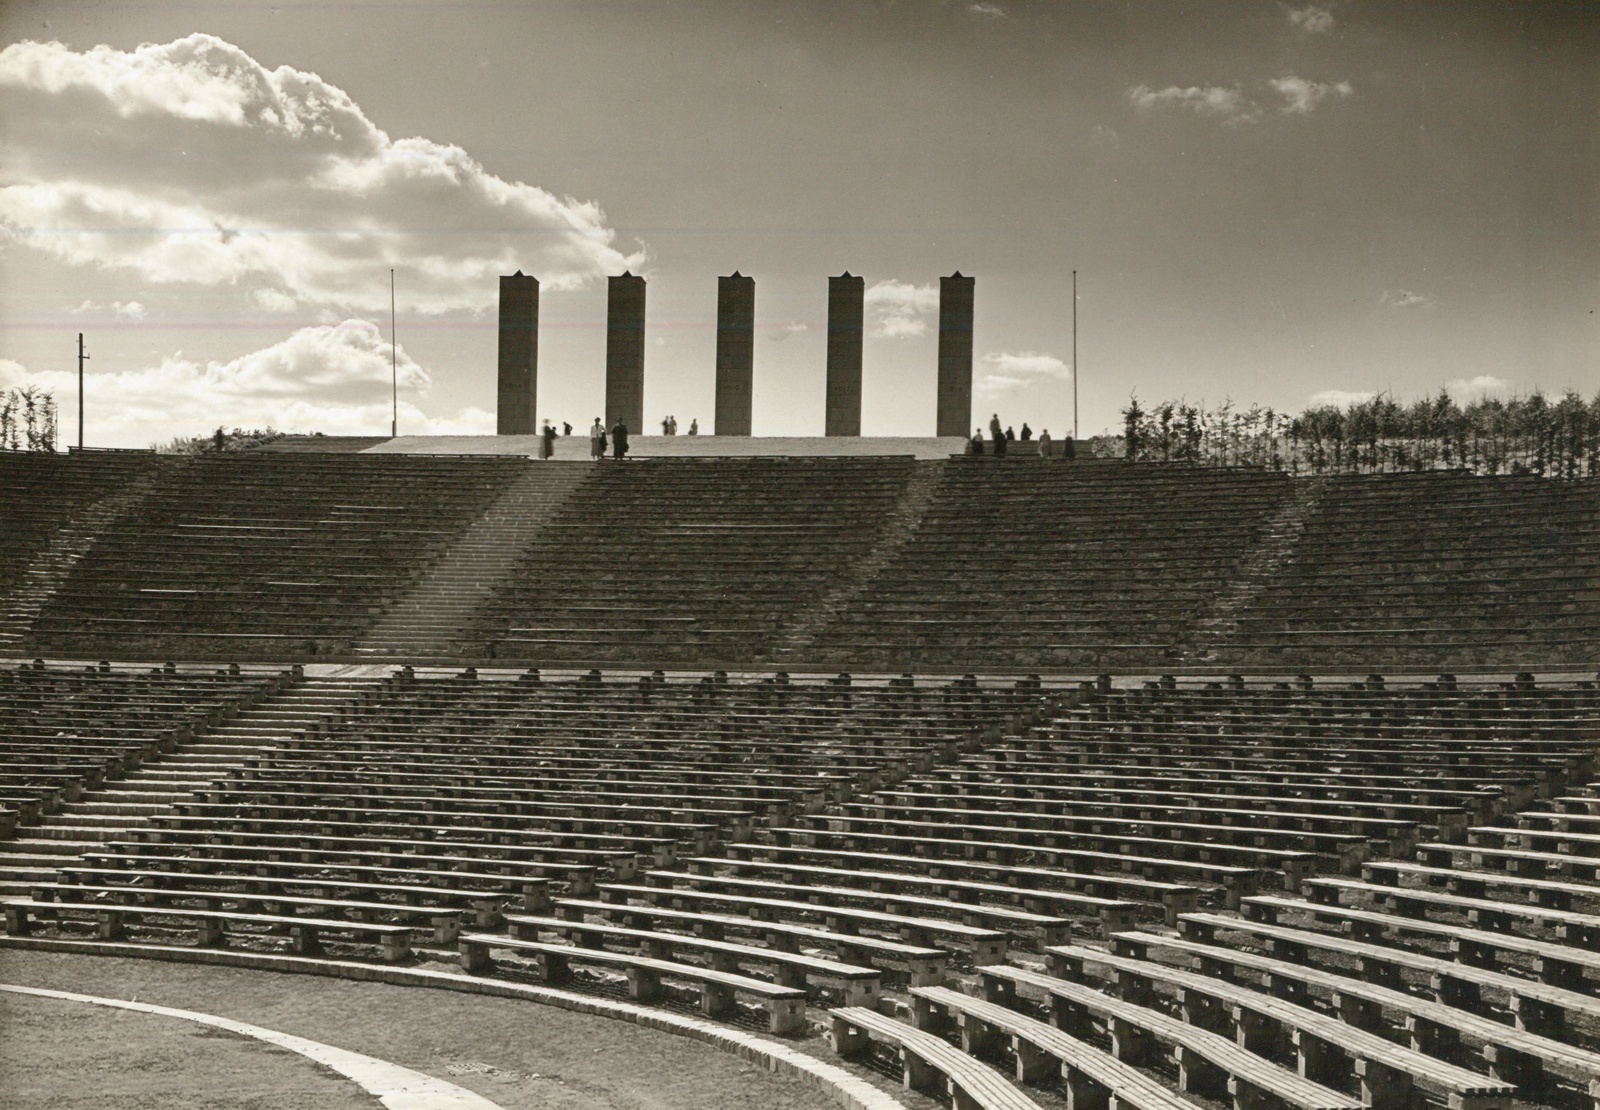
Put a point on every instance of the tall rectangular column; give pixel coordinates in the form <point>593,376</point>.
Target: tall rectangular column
<point>625,352</point>
<point>955,356</point>
<point>519,356</point>
<point>736,348</point>
<point>846,299</point>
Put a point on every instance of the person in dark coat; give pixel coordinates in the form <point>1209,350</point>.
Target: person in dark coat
<point>547,440</point>
<point>1000,445</point>
<point>619,440</point>
<point>994,427</point>
<point>1027,432</point>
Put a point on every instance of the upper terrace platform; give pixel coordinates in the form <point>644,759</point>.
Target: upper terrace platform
<point>576,446</point>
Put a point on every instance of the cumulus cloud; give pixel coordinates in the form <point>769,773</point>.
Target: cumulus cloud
<point>1227,103</point>
<point>898,309</point>
<point>1476,387</point>
<point>122,310</point>
<point>328,378</point>
<point>273,300</point>
<point>268,177</point>
<point>1342,398</point>
<point>784,331</point>
<point>1405,298</point>
<point>1312,19</point>
<point>987,11</point>
<point>1232,105</point>
<point>1005,370</point>
<point>1300,95</point>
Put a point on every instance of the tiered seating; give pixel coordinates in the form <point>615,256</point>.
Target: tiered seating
<point>1505,959</point>
<point>458,805</point>
<point>67,731</point>
<point>41,492</point>
<point>265,556</point>
<point>1045,878</point>
<point>698,561</point>
<point>1088,565</point>
<point>1433,570</point>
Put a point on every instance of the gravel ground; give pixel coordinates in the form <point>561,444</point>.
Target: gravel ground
<point>518,1054</point>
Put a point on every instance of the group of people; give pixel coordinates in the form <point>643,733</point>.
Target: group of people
<point>1002,437</point>
<point>617,440</point>
<point>600,439</point>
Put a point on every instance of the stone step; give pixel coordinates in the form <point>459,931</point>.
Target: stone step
<point>39,861</point>
<point>140,800</point>
<point>24,875</point>
<point>36,846</point>
<point>87,834</point>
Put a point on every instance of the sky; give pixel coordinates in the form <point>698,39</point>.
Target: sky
<point>1277,203</point>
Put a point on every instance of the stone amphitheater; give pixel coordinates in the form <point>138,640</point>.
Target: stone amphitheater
<point>742,774</point>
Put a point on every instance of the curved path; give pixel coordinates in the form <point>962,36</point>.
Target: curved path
<point>395,1087</point>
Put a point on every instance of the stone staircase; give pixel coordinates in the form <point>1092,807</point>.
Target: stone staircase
<point>1276,547</point>
<point>50,567</point>
<point>126,803</point>
<point>430,621</point>
<point>791,645</point>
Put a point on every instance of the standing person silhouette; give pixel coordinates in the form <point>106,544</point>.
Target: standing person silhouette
<point>547,440</point>
<point>597,439</point>
<point>619,440</point>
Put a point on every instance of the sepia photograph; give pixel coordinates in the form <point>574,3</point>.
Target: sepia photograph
<point>800,554</point>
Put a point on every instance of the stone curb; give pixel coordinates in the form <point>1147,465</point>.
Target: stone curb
<point>846,1089</point>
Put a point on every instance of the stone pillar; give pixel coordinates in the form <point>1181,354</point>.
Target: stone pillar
<point>519,356</point>
<point>625,353</point>
<point>846,298</point>
<point>955,356</point>
<point>736,343</point>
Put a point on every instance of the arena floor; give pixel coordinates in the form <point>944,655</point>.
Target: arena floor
<point>520,1056</point>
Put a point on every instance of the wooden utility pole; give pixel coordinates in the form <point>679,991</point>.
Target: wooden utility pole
<point>394,367</point>
<point>81,358</point>
<point>1074,355</point>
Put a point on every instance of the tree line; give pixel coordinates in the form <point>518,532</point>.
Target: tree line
<point>1522,435</point>
<point>27,420</point>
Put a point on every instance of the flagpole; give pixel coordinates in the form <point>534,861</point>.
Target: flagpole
<point>394,366</point>
<point>1074,354</point>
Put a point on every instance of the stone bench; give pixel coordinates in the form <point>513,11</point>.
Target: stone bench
<point>1262,1022</point>
<point>1048,928</point>
<point>1090,1075</point>
<point>1205,1060</point>
<point>1536,1007</point>
<point>1560,965</point>
<point>1512,1055</point>
<point>785,1006</point>
<point>923,965</point>
<point>985,945</point>
<point>304,932</point>
<point>927,1062</point>
<point>861,984</point>
<point>1548,893</point>
<point>1581,929</point>
<point>1174,897</point>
